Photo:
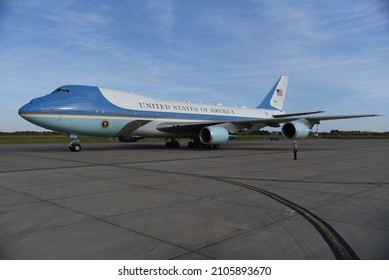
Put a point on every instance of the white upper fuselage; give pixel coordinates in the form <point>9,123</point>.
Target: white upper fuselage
<point>137,102</point>
<point>167,111</point>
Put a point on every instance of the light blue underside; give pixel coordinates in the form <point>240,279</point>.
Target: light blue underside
<point>81,125</point>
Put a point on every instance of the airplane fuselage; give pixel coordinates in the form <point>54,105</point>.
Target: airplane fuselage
<point>95,111</point>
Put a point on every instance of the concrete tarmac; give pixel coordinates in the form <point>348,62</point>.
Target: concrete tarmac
<point>247,200</point>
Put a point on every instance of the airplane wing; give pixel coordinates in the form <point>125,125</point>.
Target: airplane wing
<point>234,126</point>
<point>296,114</point>
<point>311,120</point>
<point>183,127</point>
<point>316,120</point>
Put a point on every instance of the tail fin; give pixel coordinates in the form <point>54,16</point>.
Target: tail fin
<point>274,100</point>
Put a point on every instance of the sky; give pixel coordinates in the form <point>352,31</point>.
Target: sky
<point>336,53</point>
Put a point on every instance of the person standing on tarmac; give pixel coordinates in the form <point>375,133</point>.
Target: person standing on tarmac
<point>295,150</point>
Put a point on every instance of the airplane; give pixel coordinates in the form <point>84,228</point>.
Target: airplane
<point>96,111</point>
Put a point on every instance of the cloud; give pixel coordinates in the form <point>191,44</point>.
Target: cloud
<point>162,18</point>
<point>87,20</point>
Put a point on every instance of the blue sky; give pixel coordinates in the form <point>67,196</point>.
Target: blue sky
<point>336,53</point>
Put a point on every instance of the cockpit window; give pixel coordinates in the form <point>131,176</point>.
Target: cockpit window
<point>65,90</point>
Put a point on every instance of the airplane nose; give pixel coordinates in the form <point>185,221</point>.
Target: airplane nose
<point>30,107</point>
<point>23,110</point>
<point>30,112</point>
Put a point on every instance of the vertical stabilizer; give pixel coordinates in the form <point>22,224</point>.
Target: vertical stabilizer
<point>274,100</point>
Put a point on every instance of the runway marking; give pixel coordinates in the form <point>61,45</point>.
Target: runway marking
<point>339,247</point>
<point>118,164</point>
<point>102,219</point>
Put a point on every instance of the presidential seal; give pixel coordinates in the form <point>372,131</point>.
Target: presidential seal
<point>104,124</point>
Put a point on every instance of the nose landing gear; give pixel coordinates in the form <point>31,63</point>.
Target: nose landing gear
<point>74,146</point>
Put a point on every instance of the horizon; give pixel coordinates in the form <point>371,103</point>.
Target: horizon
<point>258,132</point>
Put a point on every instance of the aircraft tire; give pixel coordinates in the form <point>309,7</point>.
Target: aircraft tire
<point>174,144</point>
<point>75,147</point>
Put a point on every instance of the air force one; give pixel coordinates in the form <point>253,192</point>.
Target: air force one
<point>94,111</point>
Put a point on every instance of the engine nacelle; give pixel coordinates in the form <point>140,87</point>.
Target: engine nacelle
<point>129,139</point>
<point>213,135</point>
<point>295,130</point>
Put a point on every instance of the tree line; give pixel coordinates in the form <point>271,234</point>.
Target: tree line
<point>31,133</point>
<point>334,132</point>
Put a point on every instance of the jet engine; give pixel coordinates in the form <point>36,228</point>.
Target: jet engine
<point>213,135</point>
<point>295,130</point>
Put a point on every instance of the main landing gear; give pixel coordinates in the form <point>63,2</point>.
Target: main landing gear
<point>196,145</point>
<point>74,146</point>
<point>172,143</point>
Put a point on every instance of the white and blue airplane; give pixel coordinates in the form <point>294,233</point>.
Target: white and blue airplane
<point>95,111</point>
